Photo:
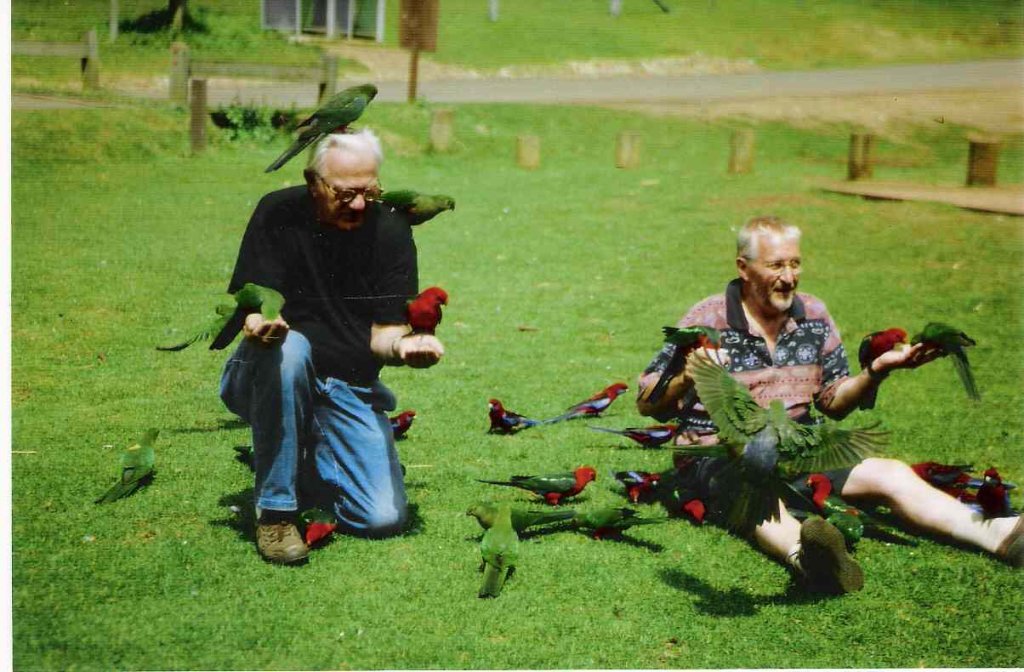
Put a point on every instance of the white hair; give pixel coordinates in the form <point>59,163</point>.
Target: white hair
<point>362,141</point>
<point>756,227</point>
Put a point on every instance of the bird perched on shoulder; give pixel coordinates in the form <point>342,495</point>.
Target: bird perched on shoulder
<point>648,437</point>
<point>486,513</point>
<point>401,423</point>
<point>137,467</point>
<point>334,116</point>
<point>593,406</point>
<point>424,312</point>
<point>499,551</point>
<point>552,487</point>
<point>685,340</point>
<point>952,342</point>
<point>418,207</point>
<point>504,421</point>
<point>873,346</point>
<point>611,521</point>
<point>249,299</point>
<point>765,447</point>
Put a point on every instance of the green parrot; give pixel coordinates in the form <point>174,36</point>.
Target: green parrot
<point>952,341</point>
<point>137,463</point>
<point>486,513</point>
<point>611,521</point>
<point>249,299</point>
<point>499,550</point>
<point>420,207</point>
<point>334,116</point>
<point>685,341</point>
<point>766,447</point>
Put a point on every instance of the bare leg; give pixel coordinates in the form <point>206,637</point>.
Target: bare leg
<point>778,538</point>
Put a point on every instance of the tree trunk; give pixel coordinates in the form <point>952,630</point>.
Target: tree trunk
<point>176,9</point>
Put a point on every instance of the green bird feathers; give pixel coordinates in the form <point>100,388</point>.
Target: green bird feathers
<point>486,513</point>
<point>137,463</point>
<point>223,329</point>
<point>419,207</point>
<point>766,447</point>
<point>611,521</point>
<point>334,116</point>
<point>952,342</point>
<point>685,341</point>
<point>499,550</point>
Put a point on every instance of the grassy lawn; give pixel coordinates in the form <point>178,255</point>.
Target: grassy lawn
<point>139,245</point>
<point>783,34</point>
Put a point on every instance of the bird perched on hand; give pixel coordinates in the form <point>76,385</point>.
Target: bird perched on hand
<point>137,467</point>
<point>873,346</point>
<point>611,521</point>
<point>401,423</point>
<point>765,447</point>
<point>499,551</point>
<point>638,484</point>
<point>249,299</point>
<point>334,116</point>
<point>685,340</point>
<point>319,525</point>
<point>952,342</point>
<point>419,207</point>
<point>486,513</point>
<point>994,495</point>
<point>648,437</point>
<point>552,487</point>
<point>504,421</point>
<point>424,312</point>
<point>593,406</point>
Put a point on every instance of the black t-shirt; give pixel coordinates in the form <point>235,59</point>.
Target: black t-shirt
<point>335,283</point>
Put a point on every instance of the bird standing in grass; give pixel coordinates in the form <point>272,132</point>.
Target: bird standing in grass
<point>499,550</point>
<point>486,513</point>
<point>137,467</point>
<point>419,207</point>
<point>249,299</point>
<point>648,437</point>
<point>504,421</point>
<point>552,487</point>
<point>424,312</point>
<point>593,406</point>
<point>334,116</point>
<point>611,521</point>
<point>952,342</point>
<point>401,423</point>
<point>319,525</point>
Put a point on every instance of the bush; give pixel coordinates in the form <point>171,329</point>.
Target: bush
<point>249,122</point>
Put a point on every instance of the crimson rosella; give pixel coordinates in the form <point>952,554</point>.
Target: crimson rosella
<point>952,342</point>
<point>685,340</point>
<point>401,423</point>
<point>552,487</point>
<point>953,479</point>
<point>648,437</point>
<point>638,484</point>
<point>504,421</point>
<point>873,346</point>
<point>994,496</point>
<point>424,312</point>
<point>593,406</point>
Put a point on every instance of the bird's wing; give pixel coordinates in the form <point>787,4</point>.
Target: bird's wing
<point>272,302</point>
<point>963,370</point>
<point>207,331</point>
<point>305,139</point>
<point>836,448</point>
<point>728,402</point>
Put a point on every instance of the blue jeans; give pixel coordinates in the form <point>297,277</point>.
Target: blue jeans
<point>325,442</point>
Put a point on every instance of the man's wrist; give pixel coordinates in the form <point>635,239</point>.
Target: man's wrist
<point>396,351</point>
<point>876,376</point>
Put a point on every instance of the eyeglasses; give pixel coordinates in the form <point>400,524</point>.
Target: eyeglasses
<point>779,267</point>
<point>346,196</point>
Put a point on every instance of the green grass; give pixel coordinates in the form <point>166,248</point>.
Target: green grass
<point>121,241</point>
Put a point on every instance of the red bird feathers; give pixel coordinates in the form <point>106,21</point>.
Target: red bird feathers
<point>424,312</point>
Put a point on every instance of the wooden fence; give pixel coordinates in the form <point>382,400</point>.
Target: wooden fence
<point>87,51</point>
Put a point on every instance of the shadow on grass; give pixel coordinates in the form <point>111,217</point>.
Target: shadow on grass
<point>734,602</point>
<point>160,20</point>
<point>222,424</point>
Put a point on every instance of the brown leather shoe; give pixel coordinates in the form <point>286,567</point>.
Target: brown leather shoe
<point>1011,551</point>
<point>280,542</point>
<point>826,566</point>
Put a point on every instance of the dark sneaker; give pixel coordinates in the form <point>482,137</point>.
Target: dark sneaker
<point>826,566</point>
<point>1011,551</point>
<point>279,541</point>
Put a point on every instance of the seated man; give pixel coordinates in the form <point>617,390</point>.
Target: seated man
<point>307,381</point>
<point>784,345</point>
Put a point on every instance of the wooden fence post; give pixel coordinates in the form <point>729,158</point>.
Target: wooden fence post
<point>197,122</point>
<point>492,10</point>
<point>741,151</point>
<point>860,163</point>
<point>328,77</point>
<point>91,61</point>
<point>528,151</point>
<point>179,73</point>
<point>982,161</point>
<point>441,130</point>
<point>627,149</point>
<point>113,21</point>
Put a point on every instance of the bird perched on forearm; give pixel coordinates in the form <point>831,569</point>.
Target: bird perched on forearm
<point>504,421</point>
<point>250,298</point>
<point>401,423</point>
<point>334,116</point>
<point>873,346</point>
<point>499,551</point>
<point>648,437</point>
<point>418,207</point>
<point>593,406</point>
<point>611,521</point>
<point>685,340</point>
<point>765,447</point>
<point>486,514</point>
<point>137,467</point>
<point>952,342</point>
<point>424,312</point>
<point>552,487</point>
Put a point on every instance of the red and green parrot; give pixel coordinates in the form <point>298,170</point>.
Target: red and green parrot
<point>873,346</point>
<point>593,406</point>
<point>552,487</point>
<point>765,447</point>
<point>486,514</point>
<point>418,207</point>
<point>138,463</point>
<point>611,521</point>
<point>333,116</point>
<point>401,423</point>
<point>499,551</point>
<point>504,421</point>
<point>424,312</point>
<point>648,437</point>
<point>952,342</point>
<point>319,525</point>
<point>685,340</point>
<point>249,299</point>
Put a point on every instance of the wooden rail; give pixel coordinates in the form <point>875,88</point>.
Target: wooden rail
<point>87,51</point>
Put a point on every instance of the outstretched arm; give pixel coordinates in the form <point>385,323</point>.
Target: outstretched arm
<point>395,345</point>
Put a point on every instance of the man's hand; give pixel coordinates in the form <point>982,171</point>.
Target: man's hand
<point>708,355</point>
<point>418,350</point>
<point>907,358</point>
<point>263,331</point>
